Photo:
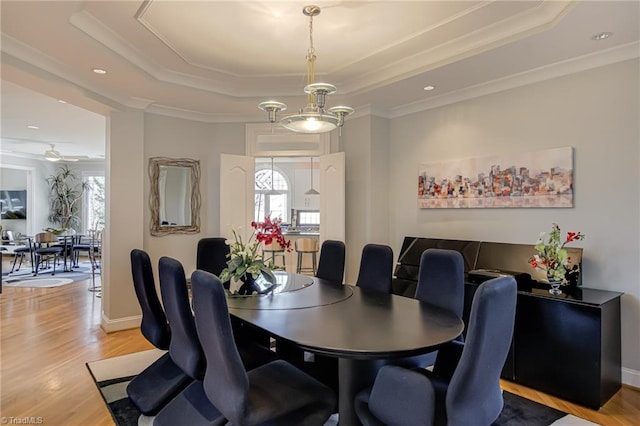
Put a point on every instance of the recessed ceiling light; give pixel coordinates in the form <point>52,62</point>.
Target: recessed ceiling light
<point>31,126</point>
<point>601,36</point>
<point>62,101</point>
<point>99,71</point>
<point>428,88</point>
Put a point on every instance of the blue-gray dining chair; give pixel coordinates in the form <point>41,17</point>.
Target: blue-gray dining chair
<point>464,387</point>
<point>191,406</point>
<point>276,393</point>
<point>156,385</point>
<point>331,262</point>
<point>376,268</point>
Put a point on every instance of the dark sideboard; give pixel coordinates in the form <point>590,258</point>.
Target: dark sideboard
<point>566,345</point>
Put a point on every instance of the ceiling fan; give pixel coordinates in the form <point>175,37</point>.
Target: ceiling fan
<point>53,155</point>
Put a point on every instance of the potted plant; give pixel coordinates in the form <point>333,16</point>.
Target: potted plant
<point>66,191</point>
<point>552,257</point>
<point>245,263</point>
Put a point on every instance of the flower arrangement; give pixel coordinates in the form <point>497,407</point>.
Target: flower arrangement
<point>245,259</point>
<point>552,256</point>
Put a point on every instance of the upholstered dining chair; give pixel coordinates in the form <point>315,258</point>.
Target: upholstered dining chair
<point>211,255</point>
<point>161,381</point>
<point>331,262</point>
<point>191,406</point>
<point>276,393</point>
<point>440,283</point>
<point>441,279</point>
<point>44,251</point>
<point>376,268</point>
<point>464,387</point>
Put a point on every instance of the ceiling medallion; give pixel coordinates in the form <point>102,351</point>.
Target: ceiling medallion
<point>313,118</point>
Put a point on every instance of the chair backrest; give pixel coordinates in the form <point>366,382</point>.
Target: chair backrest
<point>184,349</point>
<point>474,395</point>
<point>331,262</point>
<point>441,280</point>
<point>45,238</point>
<point>306,245</point>
<point>225,380</point>
<point>154,326</point>
<point>211,255</point>
<point>376,268</point>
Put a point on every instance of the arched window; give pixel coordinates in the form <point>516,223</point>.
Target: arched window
<point>266,202</point>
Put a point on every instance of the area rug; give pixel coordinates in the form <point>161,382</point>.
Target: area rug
<point>114,374</point>
<point>24,277</point>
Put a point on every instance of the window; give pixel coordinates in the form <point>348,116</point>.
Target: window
<point>267,204</point>
<point>94,203</point>
<point>308,217</point>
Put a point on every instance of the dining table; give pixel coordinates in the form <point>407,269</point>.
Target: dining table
<point>364,330</point>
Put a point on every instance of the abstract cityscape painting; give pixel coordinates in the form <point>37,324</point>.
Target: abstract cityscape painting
<point>541,178</point>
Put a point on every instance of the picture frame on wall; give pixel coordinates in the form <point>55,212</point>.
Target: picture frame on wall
<point>536,179</point>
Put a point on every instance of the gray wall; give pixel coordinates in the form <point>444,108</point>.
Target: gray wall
<point>594,111</point>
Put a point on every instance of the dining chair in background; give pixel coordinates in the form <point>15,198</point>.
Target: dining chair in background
<point>331,262</point>
<point>330,268</point>
<point>91,245</point>
<point>440,283</point>
<point>157,384</point>
<point>274,251</point>
<point>275,393</point>
<point>376,268</point>
<point>211,255</point>
<point>20,251</point>
<point>464,387</point>
<point>308,246</point>
<point>45,251</point>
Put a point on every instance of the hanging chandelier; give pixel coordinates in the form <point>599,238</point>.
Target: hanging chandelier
<point>313,118</point>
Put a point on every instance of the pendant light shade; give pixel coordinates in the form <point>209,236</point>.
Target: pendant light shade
<point>312,191</point>
<point>314,117</point>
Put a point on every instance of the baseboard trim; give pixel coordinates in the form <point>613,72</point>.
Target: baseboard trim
<point>112,325</point>
<point>631,377</point>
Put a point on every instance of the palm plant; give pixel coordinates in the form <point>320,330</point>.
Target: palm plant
<point>66,190</point>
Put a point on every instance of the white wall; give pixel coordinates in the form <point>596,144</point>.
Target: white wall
<point>179,138</point>
<point>596,112</point>
<point>367,143</point>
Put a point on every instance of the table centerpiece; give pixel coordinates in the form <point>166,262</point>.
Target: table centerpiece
<point>552,257</point>
<point>246,264</point>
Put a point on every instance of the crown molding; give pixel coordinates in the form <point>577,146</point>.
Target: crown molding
<point>559,69</point>
<point>36,63</point>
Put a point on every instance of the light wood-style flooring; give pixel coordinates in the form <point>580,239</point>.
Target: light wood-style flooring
<point>47,336</point>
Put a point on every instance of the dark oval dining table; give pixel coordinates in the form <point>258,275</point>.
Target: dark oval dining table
<point>364,330</point>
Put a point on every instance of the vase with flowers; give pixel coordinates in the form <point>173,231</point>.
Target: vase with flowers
<point>246,265</point>
<point>552,257</point>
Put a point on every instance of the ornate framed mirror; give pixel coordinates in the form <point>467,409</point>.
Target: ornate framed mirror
<point>175,196</point>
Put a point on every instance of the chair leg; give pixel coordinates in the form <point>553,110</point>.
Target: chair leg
<point>313,260</point>
<point>37,260</point>
<point>15,259</point>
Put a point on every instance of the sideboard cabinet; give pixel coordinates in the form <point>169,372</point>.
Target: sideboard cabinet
<point>567,345</point>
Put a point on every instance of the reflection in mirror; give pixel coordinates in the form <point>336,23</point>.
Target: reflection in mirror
<point>175,196</point>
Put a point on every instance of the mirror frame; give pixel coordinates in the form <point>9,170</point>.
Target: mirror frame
<point>154,199</point>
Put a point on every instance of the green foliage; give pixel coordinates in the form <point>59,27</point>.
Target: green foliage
<point>245,258</point>
<point>66,190</point>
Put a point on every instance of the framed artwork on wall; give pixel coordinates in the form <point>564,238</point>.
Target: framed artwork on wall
<point>536,179</point>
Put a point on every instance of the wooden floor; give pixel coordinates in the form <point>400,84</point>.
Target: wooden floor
<point>47,336</point>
